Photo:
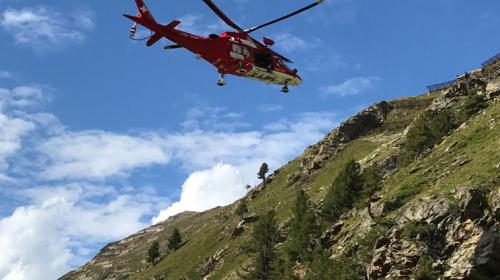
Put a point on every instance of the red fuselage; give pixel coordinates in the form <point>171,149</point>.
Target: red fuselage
<point>238,54</point>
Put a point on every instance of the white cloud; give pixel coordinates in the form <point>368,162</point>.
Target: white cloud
<point>45,239</point>
<point>44,29</point>
<point>84,19</point>
<point>98,154</point>
<point>193,23</point>
<point>218,186</point>
<point>214,119</point>
<point>22,98</point>
<point>289,43</point>
<point>11,132</point>
<point>32,247</point>
<point>14,123</point>
<point>204,149</point>
<point>352,86</point>
<point>243,153</point>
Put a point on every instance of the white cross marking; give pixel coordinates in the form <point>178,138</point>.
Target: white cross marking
<point>144,9</point>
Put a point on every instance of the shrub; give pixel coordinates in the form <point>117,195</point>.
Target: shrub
<point>427,131</point>
<point>441,124</point>
<point>472,104</point>
<point>425,271</point>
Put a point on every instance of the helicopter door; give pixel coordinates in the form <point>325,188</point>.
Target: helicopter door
<point>263,60</point>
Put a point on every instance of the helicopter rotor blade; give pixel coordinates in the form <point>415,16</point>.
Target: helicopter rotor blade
<point>250,30</point>
<point>225,18</point>
<point>170,47</point>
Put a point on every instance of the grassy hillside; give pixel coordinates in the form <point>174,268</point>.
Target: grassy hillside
<point>468,157</point>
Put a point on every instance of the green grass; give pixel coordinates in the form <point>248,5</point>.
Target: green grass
<point>478,148</point>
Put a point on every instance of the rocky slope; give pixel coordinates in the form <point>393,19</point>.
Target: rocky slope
<point>440,212</point>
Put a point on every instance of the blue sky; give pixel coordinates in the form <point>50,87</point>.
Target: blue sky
<point>101,136</point>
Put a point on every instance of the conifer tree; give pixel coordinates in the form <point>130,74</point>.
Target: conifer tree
<point>154,252</point>
<point>285,270</point>
<point>262,172</point>
<point>372,181</point>
<point>303,230</point>
<point>264,239</point>
<point>175,240</point>
<point>343,192</point>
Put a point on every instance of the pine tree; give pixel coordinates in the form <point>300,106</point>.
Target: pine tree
<point>154,252</point>
<point>372,181</point>
<point>264,239</point>
<point>343,192</point>
<point>262,172</point>
<point>242,209</point>
<point>175,240</point>
<point>303,230</point>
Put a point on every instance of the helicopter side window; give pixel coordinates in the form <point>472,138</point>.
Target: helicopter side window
<point>237,49</point>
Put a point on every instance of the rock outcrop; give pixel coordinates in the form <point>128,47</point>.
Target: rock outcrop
<point>462,240</point>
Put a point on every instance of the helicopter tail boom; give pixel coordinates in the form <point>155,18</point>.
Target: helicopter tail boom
<point>162,32</point>
<point>146,19</point>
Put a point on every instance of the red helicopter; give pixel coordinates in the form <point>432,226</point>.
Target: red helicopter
<point>235,53</point>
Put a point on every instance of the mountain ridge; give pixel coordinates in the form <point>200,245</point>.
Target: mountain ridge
<point>451,185</point>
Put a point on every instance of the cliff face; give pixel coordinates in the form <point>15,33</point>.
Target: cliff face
<point>440,212</point>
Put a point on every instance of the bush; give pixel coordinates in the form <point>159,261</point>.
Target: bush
<point>413,230</point>
<point>427,131</point>
<point>441,124</point>
<point>472,104</point>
